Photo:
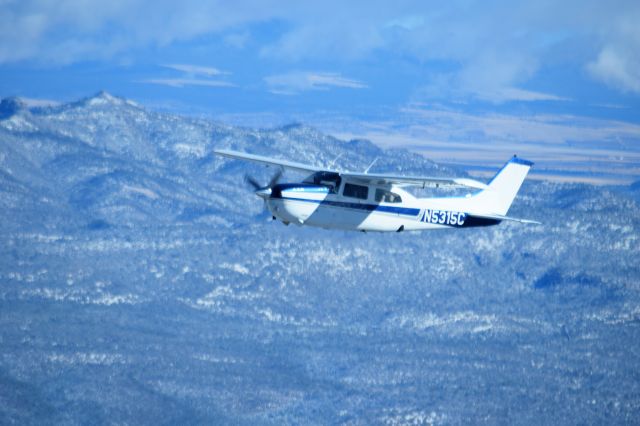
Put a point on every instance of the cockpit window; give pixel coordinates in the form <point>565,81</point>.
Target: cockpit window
<point>387,196</point>
<point>330,180</point>
<point>355,191</point>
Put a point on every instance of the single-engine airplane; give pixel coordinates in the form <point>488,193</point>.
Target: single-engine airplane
<point>334,199</point>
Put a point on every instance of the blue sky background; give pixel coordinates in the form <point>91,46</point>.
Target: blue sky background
<point>415,74</point>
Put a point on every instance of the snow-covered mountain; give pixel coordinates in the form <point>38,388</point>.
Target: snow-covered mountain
<point>142,283</point>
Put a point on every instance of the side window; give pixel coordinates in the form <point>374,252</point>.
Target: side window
<point>387,197</point>
<point>355,191</point>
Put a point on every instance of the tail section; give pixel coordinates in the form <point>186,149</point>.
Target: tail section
<point>504,186</point>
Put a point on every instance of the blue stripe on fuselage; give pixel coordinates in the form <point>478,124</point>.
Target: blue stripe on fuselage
<point>358,206</point>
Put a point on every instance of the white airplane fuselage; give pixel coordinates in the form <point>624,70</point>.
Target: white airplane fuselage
<point>318,205</point>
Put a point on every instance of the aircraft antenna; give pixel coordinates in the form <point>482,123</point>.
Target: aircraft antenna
<point>370,165</point>
<point>330,166</point>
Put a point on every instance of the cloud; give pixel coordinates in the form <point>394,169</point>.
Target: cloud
<point>343,40</point>
<point>486,50</point>
<point>489,50</point>
<point>182,82</point>
<point>192,75</point>
<point>295,82</point>
<point>68,31</point>
<point>617,68</point>
<point>515,94</point>
<point>617,63</point>
<point>452,88</point>
<point>319,80</point>
<point>196,69</point>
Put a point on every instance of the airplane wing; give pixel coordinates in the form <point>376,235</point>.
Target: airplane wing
<point>365,178</point>
<point>305,168</point>
<point>423,181</point>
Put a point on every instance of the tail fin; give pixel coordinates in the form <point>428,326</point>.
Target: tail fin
<point>504,186</point>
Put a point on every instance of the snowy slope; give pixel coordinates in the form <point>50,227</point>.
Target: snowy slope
<point>141,283</point>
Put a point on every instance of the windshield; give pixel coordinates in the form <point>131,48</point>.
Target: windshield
<point>330,180</point>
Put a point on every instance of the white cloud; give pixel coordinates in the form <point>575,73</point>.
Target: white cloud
<point>491,50</point>
<point>505,94</point>
<point>617,69</point>
<point>68,31</point>
<point>182,82</point>
<point>512,93</point>
<point>196,69</point>
<point>192,75</point>
<point>451,89</point>
<point>617,62</point>
<point>297,81</point>
<point>333,79</point>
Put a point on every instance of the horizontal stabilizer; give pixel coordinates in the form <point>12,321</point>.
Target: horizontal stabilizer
<point>507,218</point>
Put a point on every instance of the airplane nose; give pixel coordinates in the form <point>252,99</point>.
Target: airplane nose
<point>264,193</point>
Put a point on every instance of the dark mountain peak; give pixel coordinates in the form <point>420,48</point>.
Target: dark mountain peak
<point>10,106</point>
<point>291,126</point>
<point>299,129</point>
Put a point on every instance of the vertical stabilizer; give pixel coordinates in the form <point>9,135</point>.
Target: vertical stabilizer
<point>504,186</point>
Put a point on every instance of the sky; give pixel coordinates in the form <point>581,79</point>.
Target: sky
<point>442,78</point>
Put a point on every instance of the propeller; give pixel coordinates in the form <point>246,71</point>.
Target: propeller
<point>251,181</point>
<point>263,191</point>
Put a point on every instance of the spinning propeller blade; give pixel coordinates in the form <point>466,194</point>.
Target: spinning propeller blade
<point>263,191</point>
<point>251,181</point>
<point>275,178</point>
<point>256,185</point>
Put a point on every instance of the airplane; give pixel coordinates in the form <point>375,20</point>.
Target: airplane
<point>334,199</point>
